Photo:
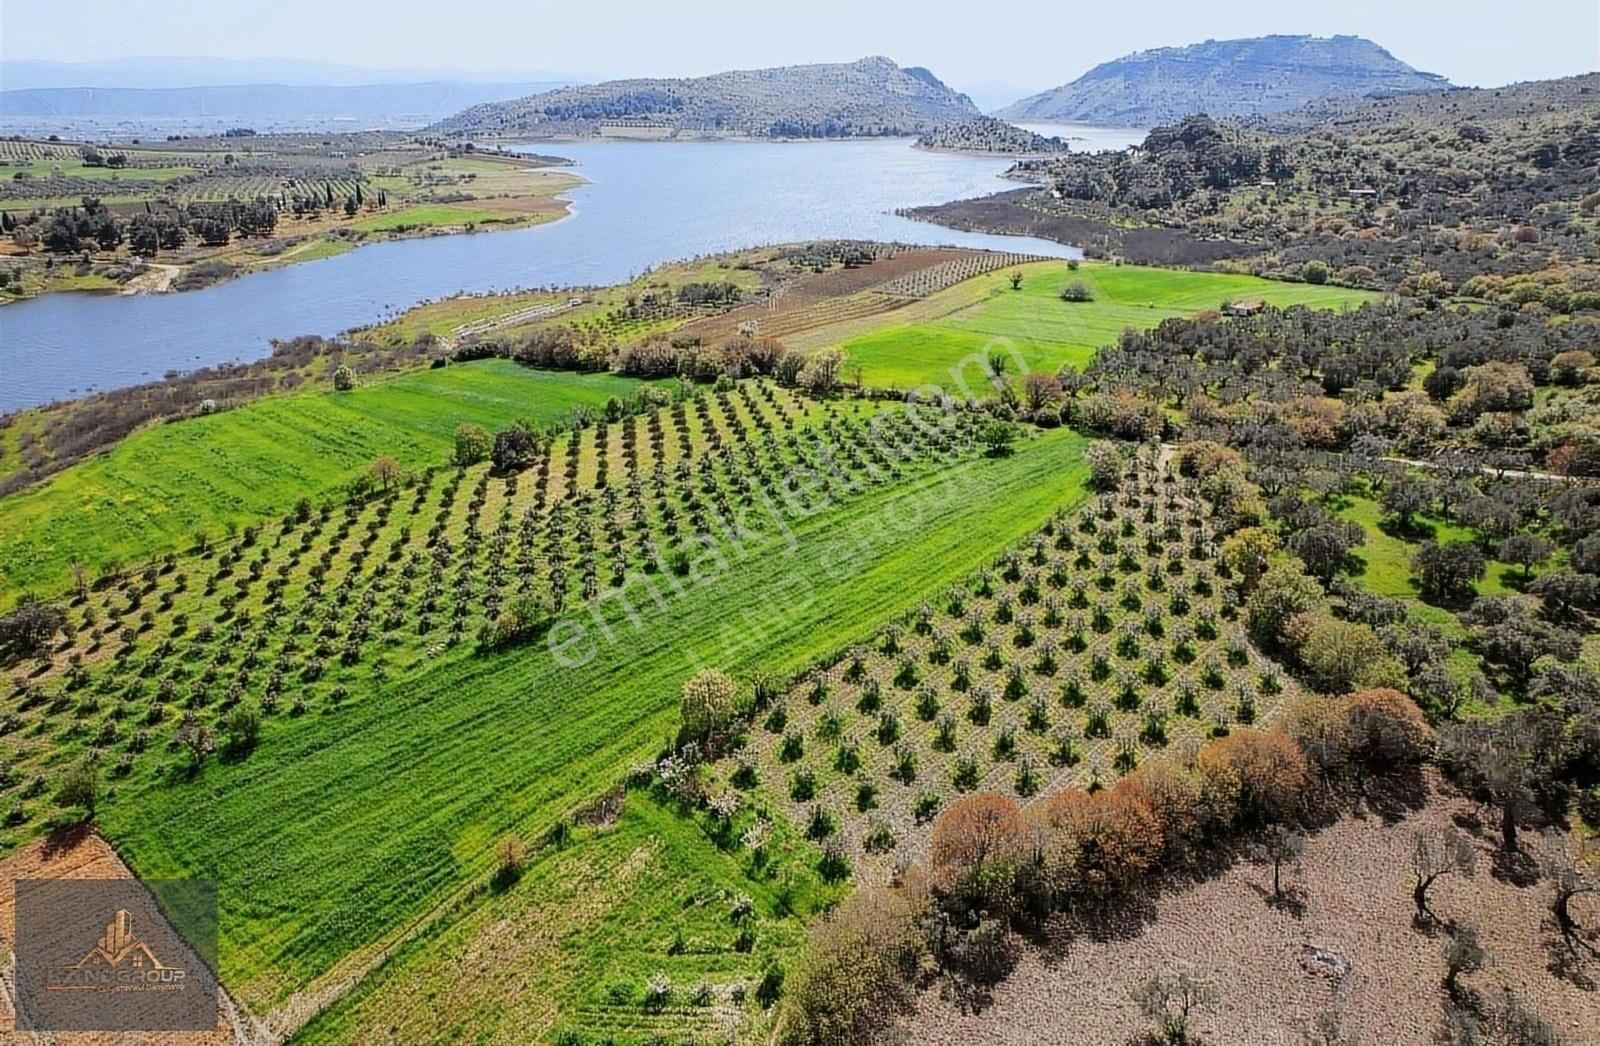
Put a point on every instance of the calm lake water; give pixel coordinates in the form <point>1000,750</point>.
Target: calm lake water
<point>645,203</point>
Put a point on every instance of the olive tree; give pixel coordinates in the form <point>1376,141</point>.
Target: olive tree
<point>1434,854</point>
<point>26,631</point>
<point>1171,999</point>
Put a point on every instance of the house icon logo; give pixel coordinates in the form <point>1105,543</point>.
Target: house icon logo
<point>119,961</point>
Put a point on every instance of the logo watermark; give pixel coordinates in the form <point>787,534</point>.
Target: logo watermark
<point>116,955</point>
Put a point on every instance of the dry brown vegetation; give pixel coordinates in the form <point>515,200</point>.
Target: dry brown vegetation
<point>1346,946</point>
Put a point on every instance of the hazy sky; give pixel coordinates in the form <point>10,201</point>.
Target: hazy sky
<point>975,46</point>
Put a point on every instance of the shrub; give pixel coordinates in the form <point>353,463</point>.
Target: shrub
<point>513,449</point>
<point>1283,591</point>
<point>706,705</point>
<point>1321,727</point>
<point>1096,846</point>
<point>511,857</point>
<point>473,445</point>
<point>977,843</point>
<point>1077,291</point>
<point>1268,769</point>
<point>1170,1001</point>
<point>80,787</point>
<point>1341,656</point>
<point>857,975</point>
<point>1387,729</point>
<point>985,953</point>
<point>26,631</point>
<point>243,726</point>
<point>1172,795</point>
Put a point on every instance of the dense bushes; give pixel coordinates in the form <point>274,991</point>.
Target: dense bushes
<point>859,971</point>
<point>27,630</point>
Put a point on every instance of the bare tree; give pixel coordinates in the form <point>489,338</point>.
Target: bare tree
<point>1171,999</point>
<point>1280,847</point>
<point>386,471</point>
<point>1434,854</point>
<point>1570,875</point>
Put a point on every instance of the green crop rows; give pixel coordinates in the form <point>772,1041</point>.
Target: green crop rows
<point>1104,637</point>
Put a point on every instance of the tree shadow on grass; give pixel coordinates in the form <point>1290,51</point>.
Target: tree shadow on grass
<point>1413,533</point>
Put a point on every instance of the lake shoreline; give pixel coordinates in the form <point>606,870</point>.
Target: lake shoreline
<point>327,238</point>
<point>638,206</point>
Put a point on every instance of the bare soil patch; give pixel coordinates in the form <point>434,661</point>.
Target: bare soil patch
<point>78,854</point>
<point>1350,947</point>
<point>815,298</point>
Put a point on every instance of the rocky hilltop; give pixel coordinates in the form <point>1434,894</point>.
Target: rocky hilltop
<point>1225,78</point>
<point>873,96</point>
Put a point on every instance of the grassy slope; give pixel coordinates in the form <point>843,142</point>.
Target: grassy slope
<point>1049,332</point>
<point>155,488</point>
<point>344,827</point>
<point>581,921</point>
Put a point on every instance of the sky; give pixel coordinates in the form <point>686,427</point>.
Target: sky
<point>994,50</point>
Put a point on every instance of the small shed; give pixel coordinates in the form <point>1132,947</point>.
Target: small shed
<point>1247,307</point>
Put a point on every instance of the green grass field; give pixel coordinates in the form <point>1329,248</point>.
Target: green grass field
<point>347,825</point>
<point>1384,568</point>
<point>78,169</point>
<point>573,943</point>
<point>158,486</point>
<point>1386,558</point>
<point>432,215</point>
<point>985,315</point>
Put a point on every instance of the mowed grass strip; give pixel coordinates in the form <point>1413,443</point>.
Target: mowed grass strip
<point>1050,333</point>
<point>343,827</point>
<point>158,486</point>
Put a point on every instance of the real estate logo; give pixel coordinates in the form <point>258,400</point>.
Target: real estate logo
<point>115,955</point>
<point>119,961</point>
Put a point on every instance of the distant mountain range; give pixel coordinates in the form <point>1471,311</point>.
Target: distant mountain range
<point>191,71</point>
<point>872,96</point>
<point>400,104</point>
<point>1225,79</point>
